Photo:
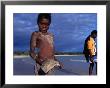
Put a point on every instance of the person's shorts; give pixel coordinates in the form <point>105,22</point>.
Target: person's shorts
<point>94,59</point>
<point>38,71</point>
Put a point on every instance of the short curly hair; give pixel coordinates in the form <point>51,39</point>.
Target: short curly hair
<point>94,32</point>
<point>44,15</point>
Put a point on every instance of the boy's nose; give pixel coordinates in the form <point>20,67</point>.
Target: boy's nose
<point>44,26</point>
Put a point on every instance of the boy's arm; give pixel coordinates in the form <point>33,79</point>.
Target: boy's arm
<point>33,46</point>
<point>91,56</point>
<point>90,47</point>
<point>61,65</point>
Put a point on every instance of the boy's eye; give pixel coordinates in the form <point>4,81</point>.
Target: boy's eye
<point>44,23</point>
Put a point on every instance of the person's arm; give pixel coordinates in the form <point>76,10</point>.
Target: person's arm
<point>61,65</point>
<point>90,48</point>
<point>33,44</point>
<point>91,56</point>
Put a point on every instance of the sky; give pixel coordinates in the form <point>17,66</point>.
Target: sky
<point>69,29</point>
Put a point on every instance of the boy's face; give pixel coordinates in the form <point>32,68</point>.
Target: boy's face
<point>94,35</point>
<point>43,25</point>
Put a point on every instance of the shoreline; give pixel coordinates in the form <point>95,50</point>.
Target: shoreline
<point>24,56</point>
<point>20,56</point>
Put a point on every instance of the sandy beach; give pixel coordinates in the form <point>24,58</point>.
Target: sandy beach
<point>72,65</point>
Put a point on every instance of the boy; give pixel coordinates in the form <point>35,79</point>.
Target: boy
<point>44,41</point>
<point>90,51</point>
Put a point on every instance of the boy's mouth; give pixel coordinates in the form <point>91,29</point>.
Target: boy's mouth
<point>44,30</point>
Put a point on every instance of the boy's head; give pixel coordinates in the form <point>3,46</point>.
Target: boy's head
<point>43,21</point>
<point>94,33</point>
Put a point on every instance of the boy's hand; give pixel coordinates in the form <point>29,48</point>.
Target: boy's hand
<point>38,60</point>
<point>61,65</point>
<point>91,59</point>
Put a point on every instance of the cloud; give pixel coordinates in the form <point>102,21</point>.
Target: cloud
<point>69,29</point>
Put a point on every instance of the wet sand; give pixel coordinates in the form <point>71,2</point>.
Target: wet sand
<point>73,65</point>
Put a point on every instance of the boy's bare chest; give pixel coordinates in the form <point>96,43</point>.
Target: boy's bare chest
<point>45,39</point>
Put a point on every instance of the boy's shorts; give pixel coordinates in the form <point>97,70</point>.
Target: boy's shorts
<point>37,69</point>
<point>94,59</point>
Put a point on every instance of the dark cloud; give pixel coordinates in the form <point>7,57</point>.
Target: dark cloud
<point>69,29</point>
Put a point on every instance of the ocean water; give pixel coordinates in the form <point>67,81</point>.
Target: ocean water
<point>72,65</point>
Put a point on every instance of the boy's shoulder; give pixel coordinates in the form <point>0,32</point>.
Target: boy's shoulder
<point>49,33</point>
<point>91,39</point>
<point>87,39</point>
<point>35,33</point>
